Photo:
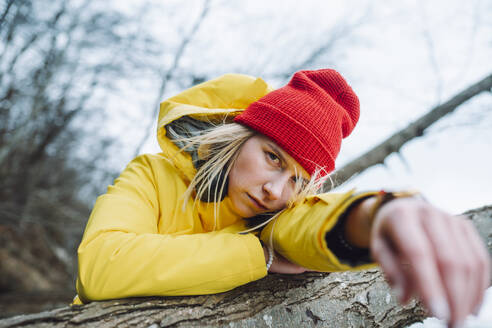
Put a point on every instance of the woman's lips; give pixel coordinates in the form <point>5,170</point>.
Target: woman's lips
<point>257,203</point>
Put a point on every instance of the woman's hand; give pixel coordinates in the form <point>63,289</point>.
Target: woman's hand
<point>282,265</point>
<point>429,253</point>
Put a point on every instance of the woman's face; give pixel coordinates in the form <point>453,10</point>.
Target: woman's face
<point>263,178</point>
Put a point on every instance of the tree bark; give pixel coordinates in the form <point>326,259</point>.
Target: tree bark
<point>393,144</point>
<point>346,299</point>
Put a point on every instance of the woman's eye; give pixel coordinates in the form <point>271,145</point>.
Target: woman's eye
<point>300,180</point>
<point>274,158</point>
<point>297,180</point>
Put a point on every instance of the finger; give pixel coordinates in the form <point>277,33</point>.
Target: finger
<point>282,265</point>
<point>483,261</point>
<point>469,270</point>
<point>410,289</point>
<point>454,262</point>
<point>389,262</point>
<point>411,242</point>
<point>471,275</point>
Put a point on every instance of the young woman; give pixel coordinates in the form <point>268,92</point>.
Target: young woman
<point>235,153</point>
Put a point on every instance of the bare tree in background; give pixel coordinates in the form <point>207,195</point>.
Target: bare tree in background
<point>58,62</point>
<point>45,82</point>
<point>393,144</point>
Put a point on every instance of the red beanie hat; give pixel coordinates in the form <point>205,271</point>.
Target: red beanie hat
<point>308,117</point>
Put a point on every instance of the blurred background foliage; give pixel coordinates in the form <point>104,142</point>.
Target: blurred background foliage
<point>58,61</point>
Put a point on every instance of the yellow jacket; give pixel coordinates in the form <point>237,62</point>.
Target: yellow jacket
<point>141,241</point>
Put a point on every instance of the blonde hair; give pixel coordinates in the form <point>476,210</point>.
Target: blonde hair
<point>218,148</point>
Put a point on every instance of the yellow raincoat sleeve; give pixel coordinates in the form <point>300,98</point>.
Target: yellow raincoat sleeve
<point>298,233</point>
<point>122,253</point>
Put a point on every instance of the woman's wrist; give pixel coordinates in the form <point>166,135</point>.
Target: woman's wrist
<point>361,218</point>
<point>358,225</point>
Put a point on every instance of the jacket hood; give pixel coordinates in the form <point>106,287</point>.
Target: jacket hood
<point>215,101</point>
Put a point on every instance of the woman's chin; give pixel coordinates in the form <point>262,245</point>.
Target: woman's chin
<point>247,213</point>
<point>242,211</point>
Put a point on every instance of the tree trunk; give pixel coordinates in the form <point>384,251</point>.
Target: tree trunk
<point>346,299</point>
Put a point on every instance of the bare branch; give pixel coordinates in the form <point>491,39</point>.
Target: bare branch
<point>378,154</point>
<point>17,20</point>
<point>6,10</point>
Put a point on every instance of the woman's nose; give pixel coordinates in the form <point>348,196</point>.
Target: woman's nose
<point>274,188</point>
